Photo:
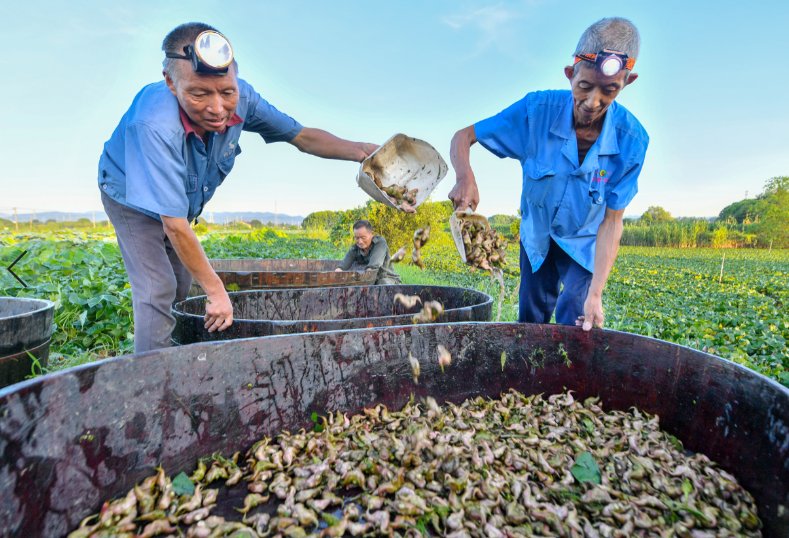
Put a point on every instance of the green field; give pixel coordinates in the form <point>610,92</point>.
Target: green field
<point>677,295</point>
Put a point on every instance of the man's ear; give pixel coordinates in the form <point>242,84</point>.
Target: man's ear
<point>169,81</point>
<point>569,72</point>
<point>631,78</point>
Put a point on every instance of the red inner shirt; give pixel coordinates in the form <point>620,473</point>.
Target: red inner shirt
<point>189,126</point>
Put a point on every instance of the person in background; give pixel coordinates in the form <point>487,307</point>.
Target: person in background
<point>174,146</point>
<point>581,154</point>
<point>369,253</point>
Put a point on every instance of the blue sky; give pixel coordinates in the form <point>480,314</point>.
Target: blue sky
<point>711,93</point>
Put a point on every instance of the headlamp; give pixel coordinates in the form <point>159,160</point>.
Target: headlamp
<point>210,54</point>
<point>608,62</point>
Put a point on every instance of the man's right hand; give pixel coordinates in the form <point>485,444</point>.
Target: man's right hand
<point>465,192</point>
<point>218,311</point>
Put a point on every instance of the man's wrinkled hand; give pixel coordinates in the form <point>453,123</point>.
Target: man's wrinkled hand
<point>465,193</point>
<point>593,313</point>
<point>366,149</point>
<point>218,312</point>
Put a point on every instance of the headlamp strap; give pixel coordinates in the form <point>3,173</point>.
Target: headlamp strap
<point>629,63</point>
<point>188,56</point>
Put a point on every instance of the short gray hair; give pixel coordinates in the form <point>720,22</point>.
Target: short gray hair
<point>614,33</point>
<point>362,223</point>
<point>179,37</point>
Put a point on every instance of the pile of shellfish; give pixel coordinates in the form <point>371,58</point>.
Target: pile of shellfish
<point>400,195</point>
<point>512,466</point>
<point>484,246</point>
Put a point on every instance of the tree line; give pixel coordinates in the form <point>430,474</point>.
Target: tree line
<point>760,222</point>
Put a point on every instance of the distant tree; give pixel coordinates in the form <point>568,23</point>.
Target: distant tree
<point>255,223</point>
<point>398,227</point>
<point>507,225</point>
<point>325,220</point>
<point>656,213</point>
<point>744,211</point>
<point>774,224</point>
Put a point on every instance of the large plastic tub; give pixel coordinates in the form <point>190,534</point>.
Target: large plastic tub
<point>25,331</point>
<point>74,438</point>
<point>253,274</point>
<point>266,312</point>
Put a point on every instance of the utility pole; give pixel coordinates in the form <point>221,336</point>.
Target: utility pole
<point>276,223</point>
<point>93,218</point>
<point>16,220</point>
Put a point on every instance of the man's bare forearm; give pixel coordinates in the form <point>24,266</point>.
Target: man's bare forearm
<point>606,249</point>
<point>460,152</point>
<point>191,253</point>
<point>324,144</point>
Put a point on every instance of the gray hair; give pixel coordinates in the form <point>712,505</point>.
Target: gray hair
<point>179,37</point>
<point>614,33</point>
<point>362,223</point>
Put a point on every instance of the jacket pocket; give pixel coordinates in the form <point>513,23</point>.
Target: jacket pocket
<point>537,171</point>
<point>536,182</point>
<point>227,161</point>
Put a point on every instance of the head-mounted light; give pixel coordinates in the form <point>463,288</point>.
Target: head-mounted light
<point>210,54</point>
<point>608,62</point>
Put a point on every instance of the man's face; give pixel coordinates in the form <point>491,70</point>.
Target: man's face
<point>363,238</point>
<point>593,92</point>
<point>209,100</point>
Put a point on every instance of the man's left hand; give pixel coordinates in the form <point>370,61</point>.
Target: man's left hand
<point>367,149</point>
<point>593,313</point>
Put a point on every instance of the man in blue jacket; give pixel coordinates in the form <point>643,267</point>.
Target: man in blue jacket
<point>581,155</point>
<point>171,150</point>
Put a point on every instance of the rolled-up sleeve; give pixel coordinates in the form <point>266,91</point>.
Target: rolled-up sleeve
<point>378,255</point>
<point>619,195</point>
<point>263,118</point>
<point>506,134</point>
<point>155,172</point>
<point>346,262</point>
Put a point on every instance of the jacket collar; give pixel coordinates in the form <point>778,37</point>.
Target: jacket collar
<point>189,126</point>
<point>563,127</point>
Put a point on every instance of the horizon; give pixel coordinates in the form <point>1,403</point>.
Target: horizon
<point>716,137</point>
<point>208,216</point>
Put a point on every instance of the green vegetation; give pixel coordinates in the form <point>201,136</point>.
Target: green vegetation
<point>677,295</point>
<point>756,222</point>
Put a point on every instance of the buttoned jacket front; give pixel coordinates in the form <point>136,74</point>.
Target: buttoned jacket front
<point>563,199</point>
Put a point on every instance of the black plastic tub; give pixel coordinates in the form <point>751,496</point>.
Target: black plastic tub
<point>267,312</point>
<point>25,331</point>
<point>239,274</point>
<point>74,438</point>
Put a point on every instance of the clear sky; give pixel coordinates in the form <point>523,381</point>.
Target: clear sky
<point>712,90</point>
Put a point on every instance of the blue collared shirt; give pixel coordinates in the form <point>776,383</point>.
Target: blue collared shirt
<point>151,165</point>
<point>560,199</point>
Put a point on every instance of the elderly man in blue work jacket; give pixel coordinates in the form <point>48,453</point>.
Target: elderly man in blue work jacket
<point>581,155</point>
<point>171,150</point>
